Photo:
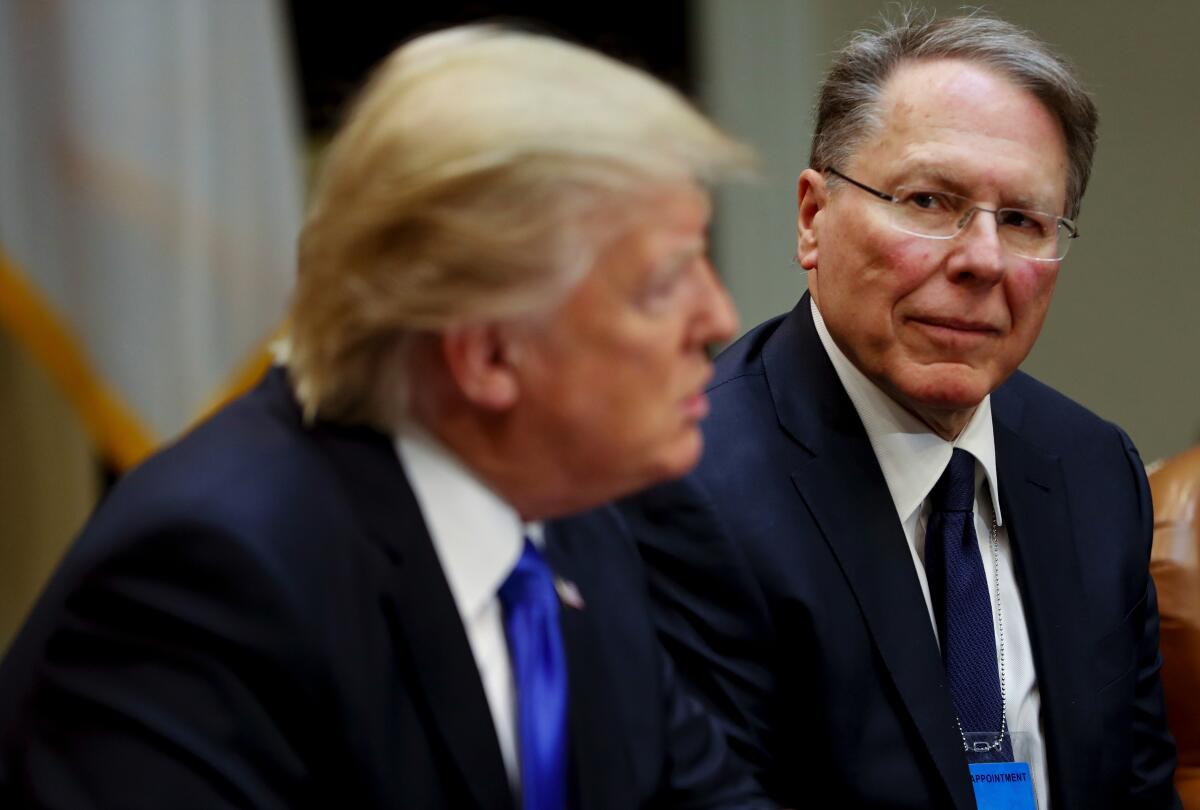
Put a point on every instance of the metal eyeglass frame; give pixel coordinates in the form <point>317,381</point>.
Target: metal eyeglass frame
<point>1072,230</point>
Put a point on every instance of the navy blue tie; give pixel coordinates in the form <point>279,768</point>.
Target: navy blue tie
<point>962,605</point>
<point>540,669</point>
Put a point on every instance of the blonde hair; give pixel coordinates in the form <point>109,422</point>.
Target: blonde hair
<point>464,186</point>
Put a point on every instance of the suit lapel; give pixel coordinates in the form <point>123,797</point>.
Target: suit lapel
<point>599,751</point>
<point>1033,501</point>
<point>844,490</point>
<point>422,613</point>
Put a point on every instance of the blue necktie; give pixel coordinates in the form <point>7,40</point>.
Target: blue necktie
<point>540,668</point>
<point>962,605</point>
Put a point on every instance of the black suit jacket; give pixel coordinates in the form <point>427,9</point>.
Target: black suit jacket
<point>257,618</point>
<point>785,590</point>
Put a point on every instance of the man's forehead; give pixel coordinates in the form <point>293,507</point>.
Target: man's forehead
<point>961,122</point>
<point>951,87</point>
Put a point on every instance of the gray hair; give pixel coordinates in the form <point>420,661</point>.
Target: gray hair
<point>473,180</point>
<point>847,110</point>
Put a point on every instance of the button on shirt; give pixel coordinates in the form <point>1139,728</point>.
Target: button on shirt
<point>912,458</point>
<point>478,539</point>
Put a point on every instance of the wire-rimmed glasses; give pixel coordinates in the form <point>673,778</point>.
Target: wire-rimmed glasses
<point>933,214</point>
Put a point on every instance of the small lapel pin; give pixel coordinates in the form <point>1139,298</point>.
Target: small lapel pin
<point>568,593</point>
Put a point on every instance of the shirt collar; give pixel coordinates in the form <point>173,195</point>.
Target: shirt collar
<point>477,535</point>
<point>911,456</point>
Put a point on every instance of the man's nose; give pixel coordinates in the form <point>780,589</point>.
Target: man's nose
<point>978,250</point>
<point>717,319</point>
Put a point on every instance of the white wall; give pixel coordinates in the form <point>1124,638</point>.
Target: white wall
<point>1123,335</point>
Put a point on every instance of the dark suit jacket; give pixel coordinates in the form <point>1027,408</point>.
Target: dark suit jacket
<point>786,593</point>
<point>257,618</point>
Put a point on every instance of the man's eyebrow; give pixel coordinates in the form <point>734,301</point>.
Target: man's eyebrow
<point>1030,204</point>
<point>934,173</point>
<point>678,260</point>
<point>931,173</point>
<point>687,251</point>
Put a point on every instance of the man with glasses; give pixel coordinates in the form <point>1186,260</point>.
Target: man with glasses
<point>906,574</point>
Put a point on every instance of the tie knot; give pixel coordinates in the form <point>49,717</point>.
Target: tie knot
<point>529,579</point>
<point>955,490</point>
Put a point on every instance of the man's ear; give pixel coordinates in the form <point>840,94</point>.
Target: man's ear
<point>479,360</point>
<point>811,196</point>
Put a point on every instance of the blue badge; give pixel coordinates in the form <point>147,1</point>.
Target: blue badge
<point>1003,786</point>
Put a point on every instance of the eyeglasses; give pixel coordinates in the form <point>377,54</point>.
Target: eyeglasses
<point>943,215</point>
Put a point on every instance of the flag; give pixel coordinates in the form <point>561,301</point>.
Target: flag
<point>150,198</point>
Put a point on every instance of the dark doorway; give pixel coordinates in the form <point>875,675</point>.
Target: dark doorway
<point>336,44</point>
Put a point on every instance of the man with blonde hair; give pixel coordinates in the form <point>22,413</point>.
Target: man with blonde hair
<point>352,587</point>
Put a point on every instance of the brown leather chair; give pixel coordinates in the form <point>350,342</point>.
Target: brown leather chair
<point>1175,565</point>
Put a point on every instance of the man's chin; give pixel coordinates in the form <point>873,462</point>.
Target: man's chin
<point>947,387</point>
<point>944,405</point>
<point>681,459</point>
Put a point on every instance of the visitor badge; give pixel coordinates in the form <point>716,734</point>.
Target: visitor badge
<point>1002,786</point>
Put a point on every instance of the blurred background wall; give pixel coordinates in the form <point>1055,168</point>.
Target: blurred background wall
<point>1123,331</point>
<point>48,480</point>
<point>150,194</point>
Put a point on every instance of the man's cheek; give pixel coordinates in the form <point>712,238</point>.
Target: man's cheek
<point>1030,291</point>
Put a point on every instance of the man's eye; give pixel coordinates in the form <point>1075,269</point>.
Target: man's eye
<point>926,200</point>
<point>662,288</point>
<point>659,291</point>
<point>665,287</point>
<point>1022,220</point>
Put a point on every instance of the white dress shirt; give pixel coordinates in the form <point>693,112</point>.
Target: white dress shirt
<point>913,458</point>
<point>478,538</point>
